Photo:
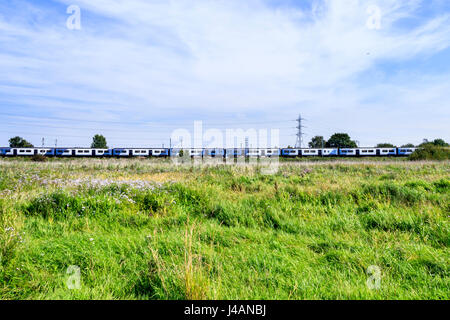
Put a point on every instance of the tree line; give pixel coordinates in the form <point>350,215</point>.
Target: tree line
<point>343,140</point>
<point>98,142</point>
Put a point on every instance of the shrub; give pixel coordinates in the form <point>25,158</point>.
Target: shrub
<point>39,158</point>
<point>431,152</point>
<point>60,205</point>
<point>392,192</point>
<point>442,185</point>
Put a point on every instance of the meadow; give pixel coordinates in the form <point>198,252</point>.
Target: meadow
<point>145,229</point>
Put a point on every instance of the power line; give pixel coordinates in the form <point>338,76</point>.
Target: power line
<point>78,136</point>
<point>98,129</point>
<point>136,131</point>
<point>155,124</point>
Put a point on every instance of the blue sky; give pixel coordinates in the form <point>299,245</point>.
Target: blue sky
<point>140,69</point>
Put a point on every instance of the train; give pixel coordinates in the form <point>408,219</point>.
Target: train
<point>205,152</point>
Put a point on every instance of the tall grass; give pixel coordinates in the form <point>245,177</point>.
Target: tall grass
<point>150,230</point>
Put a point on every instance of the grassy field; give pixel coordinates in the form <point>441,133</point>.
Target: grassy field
<point>140,229</point>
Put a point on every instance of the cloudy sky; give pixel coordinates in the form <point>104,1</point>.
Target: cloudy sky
<point>139,69</point>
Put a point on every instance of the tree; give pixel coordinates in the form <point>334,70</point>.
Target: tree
<point>99,142</point>
<point>317,142</point>
<point>341,140</point>
<point>435,142</point>
<point>408,145</point>
<point>385,145</point>
<point>440,143</point>
<point>19,142</point>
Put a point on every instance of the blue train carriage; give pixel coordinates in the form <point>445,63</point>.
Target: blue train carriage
<point>290,153</point>
<point>213,153</point>
<point>64,152</point>
<point>103,153</point>
<point>24,152</point>
<point>326,152</point>
<point>386,152</point>
<point>234,152</point>
<point>329,152</point>
<point>5,152</point>
<point>310,152</point>
<point>196,153</point>
<point>140,152</point>
<point>366,152</point>
<point>121,152</point>
<point>270,152</point>
<point>160,153</point>
<point>47,152</point>
<point>13,152</point>
<point>253,153</point>
<point>83,152</point>
<point>405,151</point>
<point>348,152</point>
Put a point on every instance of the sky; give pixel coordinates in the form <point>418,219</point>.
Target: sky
<point>138,70</point>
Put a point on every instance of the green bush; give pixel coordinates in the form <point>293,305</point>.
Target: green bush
<point>39,158</point>
<point>60,205</point>
<point>431,152</point>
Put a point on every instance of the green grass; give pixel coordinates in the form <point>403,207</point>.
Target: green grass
<point>141,229</point>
